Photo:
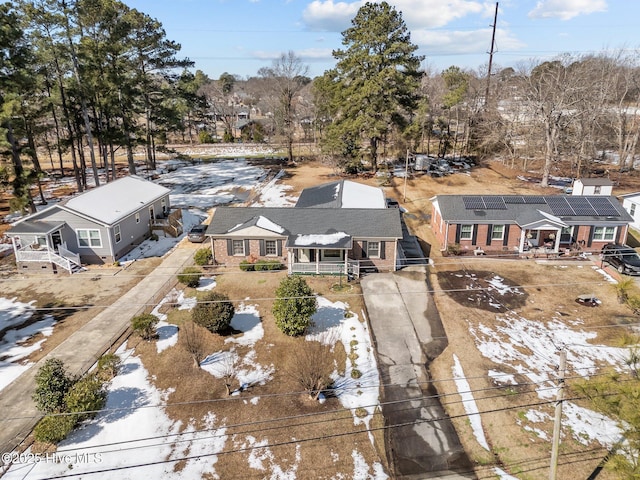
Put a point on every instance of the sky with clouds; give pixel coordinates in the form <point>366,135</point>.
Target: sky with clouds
<point>241,36</point>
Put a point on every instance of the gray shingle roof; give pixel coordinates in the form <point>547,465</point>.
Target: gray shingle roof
<point>380,223</point>
<point>453,210</point>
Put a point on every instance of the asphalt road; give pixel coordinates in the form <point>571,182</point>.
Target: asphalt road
<point>408,333</point>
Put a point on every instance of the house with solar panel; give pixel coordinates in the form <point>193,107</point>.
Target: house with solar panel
<point>98,226</point>
<point>336,228</point>
<point>520,223</point>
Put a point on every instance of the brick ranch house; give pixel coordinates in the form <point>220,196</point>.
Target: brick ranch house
<point>520,223</point>
<point>336,228</point>
<point>98,226</point>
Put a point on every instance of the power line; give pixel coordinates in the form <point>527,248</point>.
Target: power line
<point>304,440</point>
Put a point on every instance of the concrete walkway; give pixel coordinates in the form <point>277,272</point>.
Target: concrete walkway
<point>82,349</point>
<point>408,333</point>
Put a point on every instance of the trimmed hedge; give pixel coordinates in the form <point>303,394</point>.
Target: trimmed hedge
<point>190,276</point>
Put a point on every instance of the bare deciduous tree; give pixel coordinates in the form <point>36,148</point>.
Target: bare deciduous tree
<point>193,339</point>
<point>311,365</point>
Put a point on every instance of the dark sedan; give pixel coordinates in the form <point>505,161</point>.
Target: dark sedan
<point>622,257</point>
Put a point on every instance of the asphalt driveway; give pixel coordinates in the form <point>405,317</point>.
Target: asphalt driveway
<point>408,333</point>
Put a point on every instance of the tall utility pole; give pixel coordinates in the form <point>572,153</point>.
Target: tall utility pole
<point>558,419</point>
<point>493,44</point>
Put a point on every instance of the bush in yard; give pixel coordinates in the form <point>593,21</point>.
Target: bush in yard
<point>267,265</point>
<point>190,276</point>
<point>145,325</point>
<point>108,366</point>
<point>214,312</point>
<point>203,256</point>
<point>86,395</point>
<point>52,384</point>
<point>54,428</point>
<point>294,306</point>
<point>310,365</point>
<point>247,266</point>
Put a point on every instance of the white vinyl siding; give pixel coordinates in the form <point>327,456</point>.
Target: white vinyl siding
<point>89,238</point>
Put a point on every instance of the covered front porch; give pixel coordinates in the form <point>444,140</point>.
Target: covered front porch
<point>322,261</point>
<point>546,234</point>
<point>41,244</point>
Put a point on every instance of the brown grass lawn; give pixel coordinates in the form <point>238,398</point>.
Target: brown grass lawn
<point>282,415</point>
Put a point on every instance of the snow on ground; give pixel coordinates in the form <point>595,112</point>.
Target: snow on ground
<point>331,323</point>
<point>14,317</point>
<point>273,194</point>
<point>245,369</point>
<point>133,430</point>
<point>469,403</point>
<point>529,348</point>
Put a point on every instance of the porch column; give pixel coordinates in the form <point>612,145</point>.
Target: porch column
<point>523,235</point>
<point>556,244</point>
<point>317,261</point>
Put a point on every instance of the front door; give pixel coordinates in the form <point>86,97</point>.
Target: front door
<point>56,240</point>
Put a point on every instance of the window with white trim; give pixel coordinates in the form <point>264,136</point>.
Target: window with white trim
<point>332,253</point>
<point>632,210</point>
<point>88,238</point>
<point>270,248</point>
<point>238,247</point>
<point>466,232</point>
<point>497,232</point>
<point>604,233</point>
<point>117,234</point>
<point>138,217</point>
<point>373,249</point>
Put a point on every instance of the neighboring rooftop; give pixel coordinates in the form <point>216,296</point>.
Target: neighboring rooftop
<point>115,200</point>
<point>342,194</point>
<point>487,208</point>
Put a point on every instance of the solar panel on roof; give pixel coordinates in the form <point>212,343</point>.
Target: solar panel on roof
<point>534,199</point>
<point>559,206</point>
<point>473,203</point>
<point>494,203</point>
<point>604,207</point>
<point>514,200</point>
<point>581,206</point>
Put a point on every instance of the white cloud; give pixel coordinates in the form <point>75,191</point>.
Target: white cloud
<point>336,16</point>
<point>463,42</point>
<point>567,9</point>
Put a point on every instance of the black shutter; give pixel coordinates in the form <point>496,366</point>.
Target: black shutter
<point>262,248</point>
<point>364,249</point>
<point>229,247</point>
<point>382,249</point>
<point>279,247</point>
<point>458,228</point>
<point>474,234</point>
<point>505,239</point>
<point>247,248</point>
<point>618,229</point>
<point>591,230</point>
<point>489,232</point>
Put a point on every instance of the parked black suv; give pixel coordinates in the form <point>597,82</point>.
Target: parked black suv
<point>622,257</point>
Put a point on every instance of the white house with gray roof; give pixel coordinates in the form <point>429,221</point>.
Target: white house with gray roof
<point>519,223</point>
<point>98,226</point>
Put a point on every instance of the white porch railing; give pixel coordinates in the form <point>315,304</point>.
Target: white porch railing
<point>326,268</point>
<point>44,255</point>
<point>321,268</point>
